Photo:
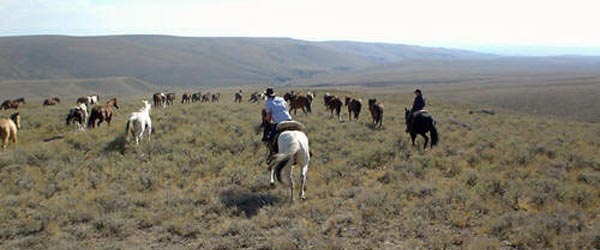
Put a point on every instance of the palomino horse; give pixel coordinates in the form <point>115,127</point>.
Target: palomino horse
<point>186,97</point>
<point>354,106</point>
<point>298,102</point>
<point>51,101</point>
<point>76,116</point>
<point>8,129</point>
<point>376,112</point>
<point>238,97</point>
<point>420,123</point>
<point>138,121</point>
<point>102,113</point>
<point>293,151</point>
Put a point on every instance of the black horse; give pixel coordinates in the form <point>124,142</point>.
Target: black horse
<point>421,124</point>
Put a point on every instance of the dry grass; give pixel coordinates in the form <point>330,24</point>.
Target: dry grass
<point>505,181</point>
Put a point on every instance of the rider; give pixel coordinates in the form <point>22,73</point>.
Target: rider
<point>277,111</point>
<point>418,105</point>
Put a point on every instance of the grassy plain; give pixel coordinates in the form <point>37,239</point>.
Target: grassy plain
<point>495,182</point>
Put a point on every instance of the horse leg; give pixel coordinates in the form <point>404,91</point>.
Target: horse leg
<point>303,180</point>
<point>291,179</point>
<point>426,140</point>
<point>149,129</point>
<point>413,136</point>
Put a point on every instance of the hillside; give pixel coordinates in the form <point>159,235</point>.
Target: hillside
<point>494,182</point>
<point>110,86</point>
<point>186,61</point>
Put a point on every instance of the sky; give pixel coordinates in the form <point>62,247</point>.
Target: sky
<point>519,27</point>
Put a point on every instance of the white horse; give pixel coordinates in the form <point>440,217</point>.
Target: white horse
<point>293,150</point>
<point>138,121</point>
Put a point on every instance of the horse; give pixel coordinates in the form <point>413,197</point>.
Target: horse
<point>354,106</point>
<point>256,97</point>
<point>326,99</point>
<point>293,150</point>
<point>206,97</point>
<point>335,103</point>
<point>238,97</point>
<point>9,104</point>
<point>8,129</point>
<point>76,115</point>
<point>89,99</point>
<point>421,123</point>
<point>102,113</point>
<point>138,121</point>
<point>215,97</point>
<point>51,101</point>
<point>376,112</point>
<point>159,99</point>
<point>196,97</point>
<point>186,97</point>
<point>170,98</point>
<point>298,102</point>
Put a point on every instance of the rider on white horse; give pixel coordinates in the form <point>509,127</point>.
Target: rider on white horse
<point>277,111</point>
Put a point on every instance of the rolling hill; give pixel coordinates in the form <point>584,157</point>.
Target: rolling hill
<point>185,61</point>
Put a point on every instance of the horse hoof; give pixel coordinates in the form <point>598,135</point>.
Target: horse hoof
<point>272,185</point>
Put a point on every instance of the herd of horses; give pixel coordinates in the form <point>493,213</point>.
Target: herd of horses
<point>292,144</point>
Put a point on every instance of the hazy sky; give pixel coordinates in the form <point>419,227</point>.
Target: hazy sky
<point>565,26</point>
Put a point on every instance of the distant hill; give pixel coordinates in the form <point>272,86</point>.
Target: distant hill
<point>185,61</point>
<point>112,86</point>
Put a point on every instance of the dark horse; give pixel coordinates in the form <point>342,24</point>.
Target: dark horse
<point>421,124</point>
<point>354,106</point>
<point>51,101</point>
<point>102,113</point>
<point>376,112</point>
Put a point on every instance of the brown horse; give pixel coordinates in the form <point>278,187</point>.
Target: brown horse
<point>186,97</point>
<point>170,98</point>
<point>9,104</point>
<point>298,102</point>
<point>206,97</point>
<point>160,99</point>
<point>215,97</point>
<point>335,103</point>
<point>51,101</point>
<point>8,129</point>
<point>354,106</point>
<point>376,112</point>
<point>102,113</point>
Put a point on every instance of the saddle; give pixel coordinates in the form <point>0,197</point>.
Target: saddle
<point>282,127</point>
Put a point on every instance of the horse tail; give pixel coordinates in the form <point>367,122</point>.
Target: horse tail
<point>127,128</point>
<point>434,134</point>
<point>279,162</point>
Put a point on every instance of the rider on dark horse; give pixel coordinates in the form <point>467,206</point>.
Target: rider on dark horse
<point>277,112</point>
<point>417,107</point>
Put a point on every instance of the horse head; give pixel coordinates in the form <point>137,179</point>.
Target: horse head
<point>56,99</point>
<point>114,103</point>
<point>16,119</point>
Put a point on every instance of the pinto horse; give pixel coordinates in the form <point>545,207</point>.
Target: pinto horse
<point>160,99</point>
<point>102,113</point>
<point>76,116</point>
<point>89,99</point>
<point>138,122</point>
<point>215,97</point>
<point>51,101</point>
<point>238,97</point>
<point>8,129</point>
<point>293,150</point>
<point>170,98</point>
<point>420,123</point>
<point>376,112</point>
<point>298,102</point>
<point>354,106</point>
